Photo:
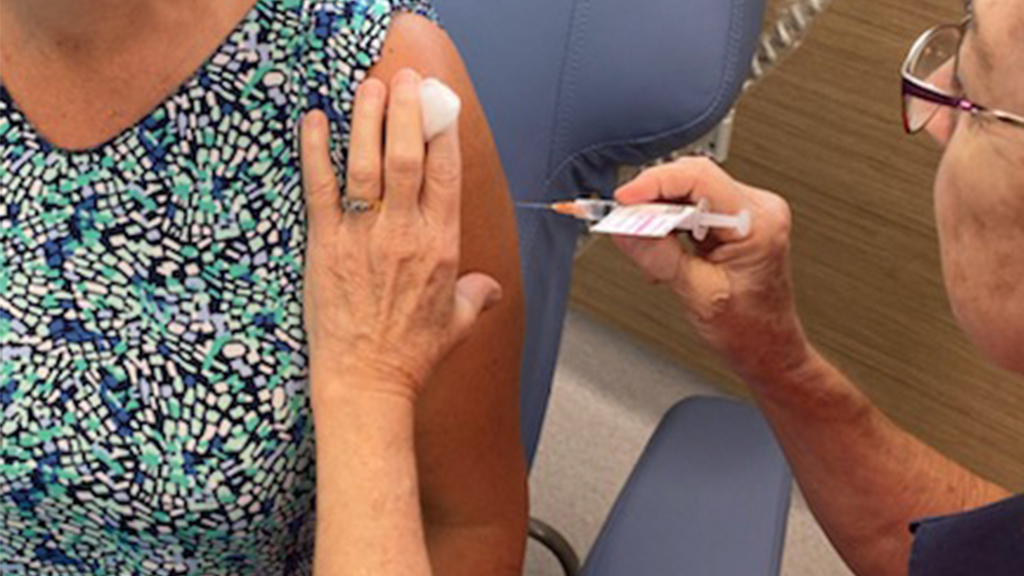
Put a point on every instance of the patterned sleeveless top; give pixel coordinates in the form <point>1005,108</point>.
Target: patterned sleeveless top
<point>154,408</point>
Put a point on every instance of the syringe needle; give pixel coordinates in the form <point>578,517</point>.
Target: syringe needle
<point>533,205</point>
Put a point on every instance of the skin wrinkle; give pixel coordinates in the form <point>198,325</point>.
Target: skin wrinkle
<point>993,45</point>
<point>980,55</point>
<point>979,43</point>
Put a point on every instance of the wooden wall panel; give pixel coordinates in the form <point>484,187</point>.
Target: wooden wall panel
<point>825,132</point>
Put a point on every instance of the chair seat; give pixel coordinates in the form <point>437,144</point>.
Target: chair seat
<point>709,497</point>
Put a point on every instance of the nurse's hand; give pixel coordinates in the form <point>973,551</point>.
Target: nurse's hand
<point>383,300</point>
<point>736,291</point>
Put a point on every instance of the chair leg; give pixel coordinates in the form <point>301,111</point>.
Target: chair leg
<point>557,544</point>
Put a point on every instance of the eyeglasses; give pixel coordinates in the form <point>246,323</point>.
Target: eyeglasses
<point>931,80</point>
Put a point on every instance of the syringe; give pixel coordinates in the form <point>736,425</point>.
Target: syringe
<point>640,219</point>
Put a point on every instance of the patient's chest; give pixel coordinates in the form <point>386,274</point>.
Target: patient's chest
<point>153,392</point>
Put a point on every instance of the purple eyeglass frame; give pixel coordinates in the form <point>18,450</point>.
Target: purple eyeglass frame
<point>914,87</point>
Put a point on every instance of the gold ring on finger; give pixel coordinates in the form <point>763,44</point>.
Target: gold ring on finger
<point>358,205</point>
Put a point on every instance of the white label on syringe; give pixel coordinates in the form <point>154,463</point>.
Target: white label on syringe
<point>645,220</point>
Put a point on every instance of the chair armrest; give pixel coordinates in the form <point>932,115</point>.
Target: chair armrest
<point>708,497</point>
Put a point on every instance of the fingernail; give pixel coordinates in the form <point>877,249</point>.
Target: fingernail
<point>493,297</point>
<point>407,77</point>
<point>315,120</point>
<point>371,89</point>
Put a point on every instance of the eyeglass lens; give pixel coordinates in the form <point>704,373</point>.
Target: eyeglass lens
<point>933,65</point>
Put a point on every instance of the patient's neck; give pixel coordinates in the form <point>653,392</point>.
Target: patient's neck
<point>88,27</point>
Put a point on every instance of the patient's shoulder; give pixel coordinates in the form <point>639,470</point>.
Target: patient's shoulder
<point>363,20</point>
<point>417,42</point>
<point>344,39</point>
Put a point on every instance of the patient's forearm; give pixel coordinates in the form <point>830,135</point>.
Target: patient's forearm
<point>864,478</point>
<point>368,507</point>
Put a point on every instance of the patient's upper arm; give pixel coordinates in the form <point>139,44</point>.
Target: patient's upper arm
<point>468,428</point>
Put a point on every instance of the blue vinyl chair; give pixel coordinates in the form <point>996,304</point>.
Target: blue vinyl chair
<point>574,89</point>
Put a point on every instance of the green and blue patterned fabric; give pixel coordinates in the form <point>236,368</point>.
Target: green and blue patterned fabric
<point>154,407</point>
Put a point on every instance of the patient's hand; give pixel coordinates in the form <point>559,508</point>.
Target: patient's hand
<point>471,467</point>
<point>383,300</point>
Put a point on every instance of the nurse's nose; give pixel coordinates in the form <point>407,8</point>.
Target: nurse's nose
<point>942,124</point>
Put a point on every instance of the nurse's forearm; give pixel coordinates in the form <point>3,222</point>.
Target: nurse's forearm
<point>368,506</point>
<point>864,478</point>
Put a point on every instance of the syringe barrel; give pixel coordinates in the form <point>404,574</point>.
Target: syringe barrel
<point>596,210</point>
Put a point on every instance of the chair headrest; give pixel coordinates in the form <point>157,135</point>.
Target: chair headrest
<point>575,88</point>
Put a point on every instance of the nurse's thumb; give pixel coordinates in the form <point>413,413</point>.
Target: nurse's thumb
<point>475,293</point>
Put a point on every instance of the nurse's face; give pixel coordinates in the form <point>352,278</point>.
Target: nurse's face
<point>979,189</point>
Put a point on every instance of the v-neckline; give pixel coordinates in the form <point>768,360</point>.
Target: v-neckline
<point>235,36</point>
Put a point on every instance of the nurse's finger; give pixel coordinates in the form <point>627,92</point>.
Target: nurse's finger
<point>686,180</point>
<point>403,164</point>
<point>323,198</point>
<point>703,287</point>
<point>658,258</point>
<point>363,177</point>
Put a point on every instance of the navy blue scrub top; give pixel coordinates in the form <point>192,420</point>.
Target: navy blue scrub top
<point>988,541</point>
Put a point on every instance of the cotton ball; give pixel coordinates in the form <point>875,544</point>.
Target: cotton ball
<point>441,107</point>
